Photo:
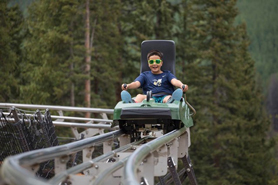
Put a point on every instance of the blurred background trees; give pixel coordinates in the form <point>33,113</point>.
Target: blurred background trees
<point>225,53</point>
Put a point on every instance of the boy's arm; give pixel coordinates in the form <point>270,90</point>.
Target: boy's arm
<point>179,84</point>
<point>132,85</point>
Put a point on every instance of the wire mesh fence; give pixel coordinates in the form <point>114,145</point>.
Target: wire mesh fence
<point>21,133</point>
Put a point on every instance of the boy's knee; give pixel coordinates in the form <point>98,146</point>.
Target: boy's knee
<point>166,98</point>
<point>140,97</point>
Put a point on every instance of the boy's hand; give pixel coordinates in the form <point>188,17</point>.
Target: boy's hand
<point>124,86</point>
<point>184,87</point>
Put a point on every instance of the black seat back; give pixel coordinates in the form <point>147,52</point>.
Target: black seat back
<point>167,47</point>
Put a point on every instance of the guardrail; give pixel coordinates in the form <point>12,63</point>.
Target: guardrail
<point>98,124</point>
<point>61,109</point>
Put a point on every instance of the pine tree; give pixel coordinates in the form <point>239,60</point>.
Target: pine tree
<point>11,33</point>
<point>56,53</point>
<point>229,134</point>
<point>107,59</point>
<point>22,4</point>
<point>46,73</point>
<point>260,17</point>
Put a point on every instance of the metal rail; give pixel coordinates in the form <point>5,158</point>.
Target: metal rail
<point>13,167</point>
<point>134,163</point>
<point>190,106</point>
<point>51,107</point>
<point>78,122</point>
<point>79,168</point>
<point>20,169</point>
<point>136,158</point>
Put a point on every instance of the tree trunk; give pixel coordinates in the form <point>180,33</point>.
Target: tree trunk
<point>87,60</point>
<point>72,95</point>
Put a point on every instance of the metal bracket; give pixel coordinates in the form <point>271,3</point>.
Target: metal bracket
<point>189,170</point>
<point>173,171</point>
<point>144,181</point>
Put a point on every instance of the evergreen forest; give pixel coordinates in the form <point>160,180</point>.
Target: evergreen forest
<point>79,52</point>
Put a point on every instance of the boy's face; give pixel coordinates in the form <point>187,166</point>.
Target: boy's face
<point>155,68</point>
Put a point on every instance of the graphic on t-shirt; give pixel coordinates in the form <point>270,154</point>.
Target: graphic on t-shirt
<point>157,82</point>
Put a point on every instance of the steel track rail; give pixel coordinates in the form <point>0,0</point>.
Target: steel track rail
<point>93,122</point>
<point>70,124</point>
<point>13,170</point>
<point>84,166</point>
<point>110,170</point>
<point>133,162</point>
<point>52,107</point>
<point>71,118</point>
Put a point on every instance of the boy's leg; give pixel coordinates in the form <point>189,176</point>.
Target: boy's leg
<point>126,97</point>
<point>140,97</point>
<point>166,98</point>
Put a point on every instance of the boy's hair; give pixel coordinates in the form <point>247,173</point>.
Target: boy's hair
<point>154,52</point>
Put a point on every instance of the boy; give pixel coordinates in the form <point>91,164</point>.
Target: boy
<point>161,83</point>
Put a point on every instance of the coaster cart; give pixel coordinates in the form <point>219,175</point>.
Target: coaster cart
<point>149,117</point>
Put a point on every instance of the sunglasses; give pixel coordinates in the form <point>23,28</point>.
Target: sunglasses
<point>157,61</point>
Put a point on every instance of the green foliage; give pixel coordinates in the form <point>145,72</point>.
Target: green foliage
<point>10,51</point>
<point>228,132</point>
<point>261,18</point>
<point>107,62</point>
<point>229,143</point>
<point>22,4</point>
<point>45,71</point>
<point>272,101</point>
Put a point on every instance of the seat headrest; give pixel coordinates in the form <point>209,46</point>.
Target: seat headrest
<point>167,47</point>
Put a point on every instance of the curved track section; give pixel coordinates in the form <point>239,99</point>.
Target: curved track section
<point>131,175</point>
<point>153,157</point>
<point>92,163</point>
<point>19,169</point>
